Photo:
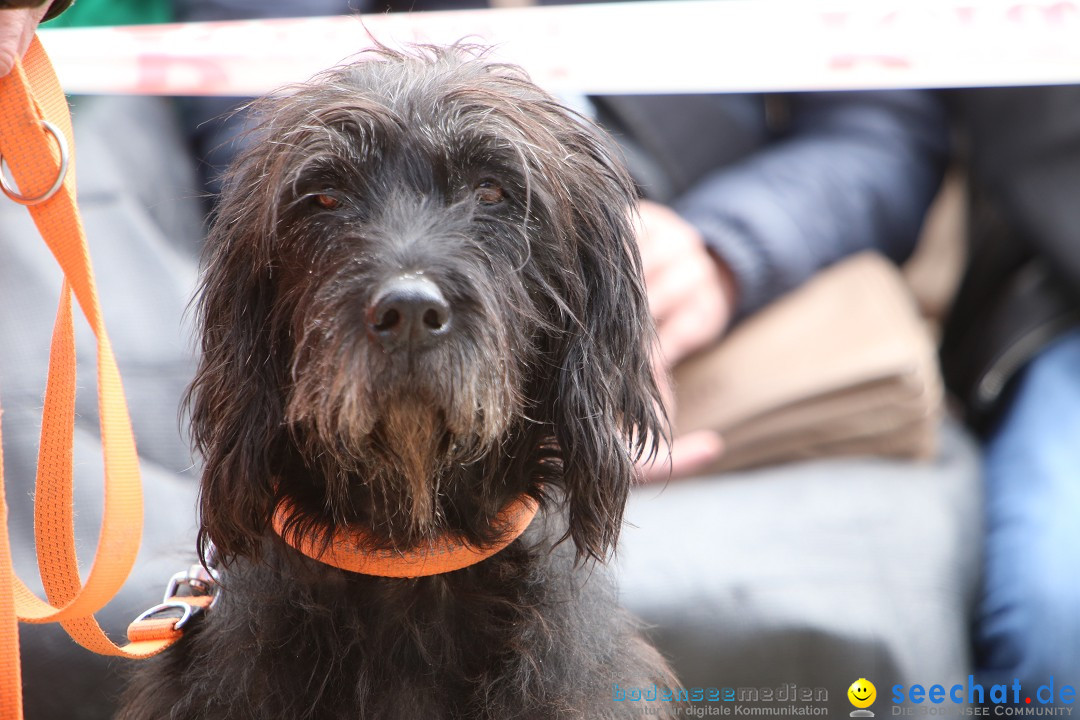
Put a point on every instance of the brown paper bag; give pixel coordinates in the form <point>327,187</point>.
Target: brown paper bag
<point>843,365</point>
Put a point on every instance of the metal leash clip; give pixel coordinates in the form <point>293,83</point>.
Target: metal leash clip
<point>203,590</point>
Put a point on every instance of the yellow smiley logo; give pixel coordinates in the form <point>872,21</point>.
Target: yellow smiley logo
<point>862,693</point>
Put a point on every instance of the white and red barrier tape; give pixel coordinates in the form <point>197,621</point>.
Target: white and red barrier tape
<point>639,47</point>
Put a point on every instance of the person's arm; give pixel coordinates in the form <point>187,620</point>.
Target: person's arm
<point>18,23</point>
<point>856,171</point>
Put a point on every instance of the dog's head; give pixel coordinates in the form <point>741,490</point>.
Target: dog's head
<point>421,297</point>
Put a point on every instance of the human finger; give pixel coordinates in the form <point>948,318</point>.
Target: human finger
<point>17,28</point>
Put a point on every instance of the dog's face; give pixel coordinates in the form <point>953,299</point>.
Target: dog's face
<point>421,297</point>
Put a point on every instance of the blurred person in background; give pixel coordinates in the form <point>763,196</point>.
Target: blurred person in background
<point>748,196</point>
<point>842,172</point>
<point>1012,355</point>
<point>810,178</point>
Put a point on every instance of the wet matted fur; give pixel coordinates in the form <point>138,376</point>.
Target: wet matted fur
<point>443,171</point>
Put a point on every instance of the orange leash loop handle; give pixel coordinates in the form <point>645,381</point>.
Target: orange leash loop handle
<point>29,95</point>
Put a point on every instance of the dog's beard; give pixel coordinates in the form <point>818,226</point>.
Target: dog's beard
<point>388,433</point>
<point>411,445</point>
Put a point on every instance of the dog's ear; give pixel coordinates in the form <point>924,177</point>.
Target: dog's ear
<point>607,411</point>
<point>236,417</point>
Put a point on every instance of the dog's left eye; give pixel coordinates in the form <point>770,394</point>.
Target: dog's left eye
<point>328,202</point>
<point>488,192</point>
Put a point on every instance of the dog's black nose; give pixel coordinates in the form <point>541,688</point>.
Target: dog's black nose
<point>408,312</point>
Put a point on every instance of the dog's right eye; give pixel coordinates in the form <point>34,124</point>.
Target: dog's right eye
<point>325,201</point>
<point>488,192</point>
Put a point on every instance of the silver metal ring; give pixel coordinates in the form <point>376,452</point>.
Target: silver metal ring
<point>22,199</point>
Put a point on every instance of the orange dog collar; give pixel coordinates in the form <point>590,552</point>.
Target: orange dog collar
<point>445,554</point>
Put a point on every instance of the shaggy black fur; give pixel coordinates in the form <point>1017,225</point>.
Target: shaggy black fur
<point>442,169</point>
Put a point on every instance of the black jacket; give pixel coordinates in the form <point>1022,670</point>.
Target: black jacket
<point>781,186</point>
<point>1022,288</point>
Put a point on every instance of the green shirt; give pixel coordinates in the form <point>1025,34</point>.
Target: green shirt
<point>85,13</point>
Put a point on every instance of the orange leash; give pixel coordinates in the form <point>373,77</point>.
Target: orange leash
<point>35,132</point>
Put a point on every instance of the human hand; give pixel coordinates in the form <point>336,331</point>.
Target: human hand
<point>685,454</point>
<point>691,292</point>
<point>691,296</point>
<point>17,28</point>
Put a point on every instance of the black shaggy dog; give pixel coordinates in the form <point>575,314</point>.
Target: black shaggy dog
<point>421,303</point>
